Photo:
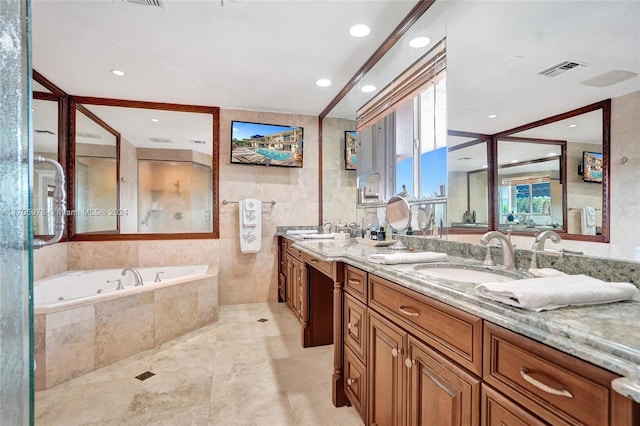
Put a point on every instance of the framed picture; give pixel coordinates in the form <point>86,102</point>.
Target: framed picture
<point>266,144</point>
<point>592,166</point>
<point>350,158</point>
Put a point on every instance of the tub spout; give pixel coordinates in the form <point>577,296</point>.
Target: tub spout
<point>136,275</point>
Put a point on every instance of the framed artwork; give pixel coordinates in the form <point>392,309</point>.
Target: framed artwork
<point>266,144</point>
<point>350,158</point>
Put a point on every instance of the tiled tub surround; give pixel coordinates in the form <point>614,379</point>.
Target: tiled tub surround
<point>606,335</point>
<point>74,338</point>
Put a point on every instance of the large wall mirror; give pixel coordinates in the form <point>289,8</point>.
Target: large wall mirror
<point>340,195</point>
<point>532,77</point>
<point>143,170</point>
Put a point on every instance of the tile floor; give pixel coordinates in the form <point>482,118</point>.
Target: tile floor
<point>239,371</point>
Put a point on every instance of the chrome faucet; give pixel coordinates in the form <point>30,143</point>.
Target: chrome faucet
<point>508,252</point>
<point>538,246</point>
<point>136,275</point>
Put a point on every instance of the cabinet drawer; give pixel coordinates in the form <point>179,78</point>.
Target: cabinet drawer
<point>355,382</point>
<point>456,334</point>
<point>557,387</point>
<point>355,327</point>
<point>297,253</point>
<point>326,268</point>
<point>355,282</point>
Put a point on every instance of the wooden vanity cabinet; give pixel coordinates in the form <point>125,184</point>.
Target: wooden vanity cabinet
<point>552,385</point>
<point>409,381</point>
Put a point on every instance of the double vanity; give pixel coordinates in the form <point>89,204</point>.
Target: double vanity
<point>414,343</point>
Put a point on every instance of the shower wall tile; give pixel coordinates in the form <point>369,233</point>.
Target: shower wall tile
<point>177,301</point>
<point>70,343</point>
<point>124,326</point>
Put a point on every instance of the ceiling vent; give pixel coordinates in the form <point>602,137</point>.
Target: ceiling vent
<point>160,140</point>
<point>199,142</point>
<point>47,132</point>
<point>154,3</point>
<point>561,68</point>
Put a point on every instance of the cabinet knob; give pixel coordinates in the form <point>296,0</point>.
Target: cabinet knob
<point>351,381</point>
<point>350,326</point>
<point>409,362</point>
<point>395,352</point>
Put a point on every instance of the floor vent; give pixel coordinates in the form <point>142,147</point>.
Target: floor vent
<point>263,320</point>
<point>154,3</point>
<point>561,68</point>
<point>144,376</point>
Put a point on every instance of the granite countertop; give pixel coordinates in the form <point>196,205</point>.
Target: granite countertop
<point>607,335</point>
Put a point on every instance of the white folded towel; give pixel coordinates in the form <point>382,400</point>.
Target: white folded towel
<point>415,257</point>
<point>588,221</point>
<point>545,272</point>
<point>301,231</point>
<point>249,216</point>
<point>250,225</point>
<point>540,294</point>
<point>317,236</point>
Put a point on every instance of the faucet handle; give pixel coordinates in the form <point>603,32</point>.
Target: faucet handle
<point>157,279</point>
<point>119,281</point>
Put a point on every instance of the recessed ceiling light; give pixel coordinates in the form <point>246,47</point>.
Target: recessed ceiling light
<point>368,88</point>
<point>155,120</point>
<point>552,154</point>
<point>485,167</point>
<point>359,30</point>
<point>119,73</point>
<point>514,161</point>
<point>323,82</point>
<point>419,42</point>
<point>491,116</point>
<point>572,125</point>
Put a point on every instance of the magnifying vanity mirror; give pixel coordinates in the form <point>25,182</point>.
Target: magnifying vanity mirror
<point>398,212</point>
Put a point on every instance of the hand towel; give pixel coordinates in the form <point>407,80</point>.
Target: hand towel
<point>251,226</point>
<point>317,236</point>
<point>588,221</point>
<point>249,215</point>
<point>301,231</point>
<point>540,294</point>
<point>416,257</point>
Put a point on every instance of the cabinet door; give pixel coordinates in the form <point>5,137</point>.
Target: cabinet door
<point>499,411</point>
<point>440,393</point>
<point>387,343</point>
<point>289,281</point>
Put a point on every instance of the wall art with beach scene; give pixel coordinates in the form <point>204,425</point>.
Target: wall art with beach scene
<point>350,158</point>
<point>266,144</point>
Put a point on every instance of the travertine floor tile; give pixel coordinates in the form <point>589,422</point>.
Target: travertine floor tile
<point>236,372</point>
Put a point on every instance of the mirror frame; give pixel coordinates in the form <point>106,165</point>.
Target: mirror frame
<point>492,178</point>
<point>215,166</point>
<point>605,106</point>
<point>62,98</point>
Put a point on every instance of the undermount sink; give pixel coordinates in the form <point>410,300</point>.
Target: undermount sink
<point>471,274</point>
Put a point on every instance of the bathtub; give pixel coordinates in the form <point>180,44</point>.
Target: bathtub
<point>82,323</point>
<point>74,287</point>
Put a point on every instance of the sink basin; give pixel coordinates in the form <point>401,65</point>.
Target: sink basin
<point>471,274</point>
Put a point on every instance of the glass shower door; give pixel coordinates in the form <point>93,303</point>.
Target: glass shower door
<point>16,357</point>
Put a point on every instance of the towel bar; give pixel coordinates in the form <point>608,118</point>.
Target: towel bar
<point>225,202</point>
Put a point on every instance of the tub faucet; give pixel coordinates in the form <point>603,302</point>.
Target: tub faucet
<point>508,253</point>
<point>538,246</point>
<point>136,275</point>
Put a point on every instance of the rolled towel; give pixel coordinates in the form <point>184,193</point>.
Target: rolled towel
<point>545,272</point>
<point>540,294</point>
<point>416,257</point>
